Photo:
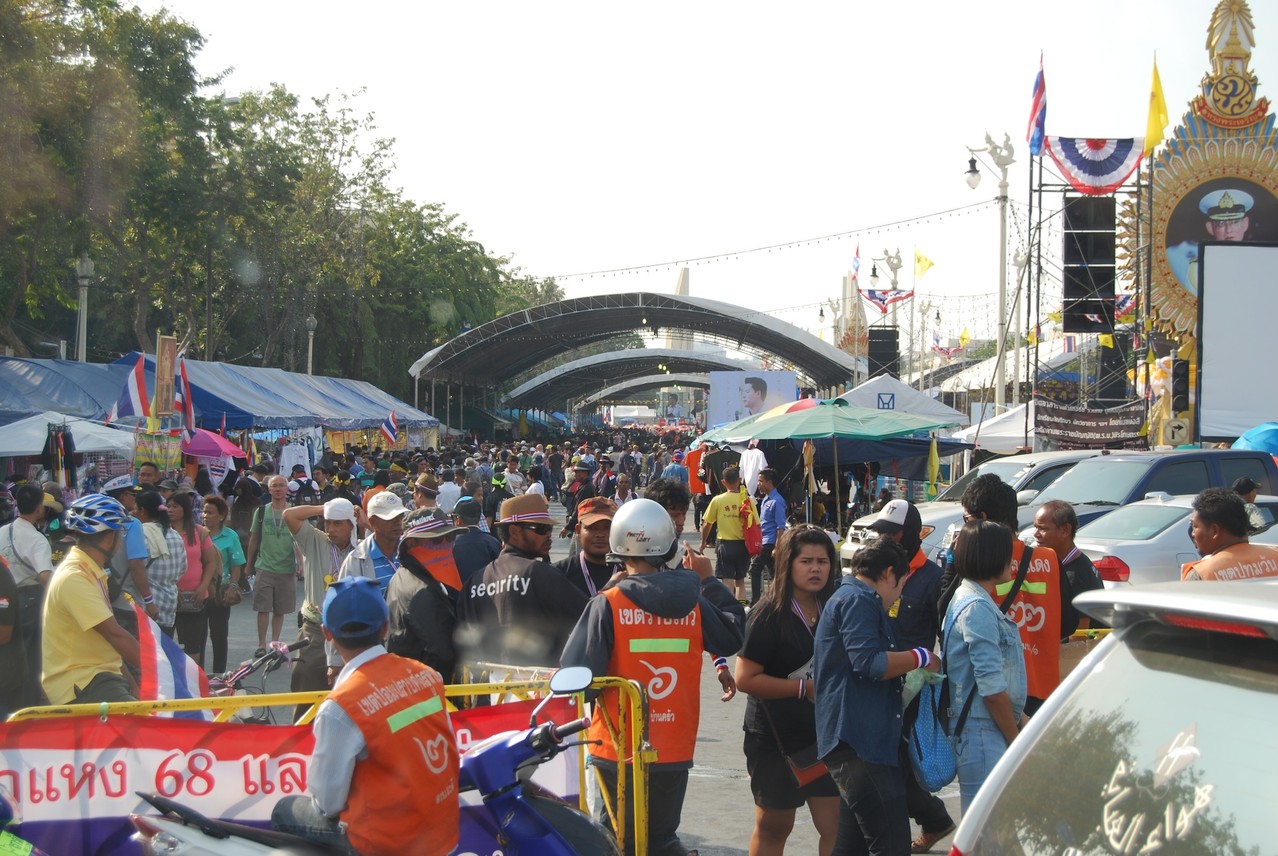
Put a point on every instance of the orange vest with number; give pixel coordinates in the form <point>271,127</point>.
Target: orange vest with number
<point>1037,613</point>
<point>403,796</point>
<point>664,655</point>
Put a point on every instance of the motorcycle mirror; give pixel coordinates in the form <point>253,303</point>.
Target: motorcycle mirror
<point>565,681</point>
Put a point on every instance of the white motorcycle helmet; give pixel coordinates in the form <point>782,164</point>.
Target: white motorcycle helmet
<point>642,529</point>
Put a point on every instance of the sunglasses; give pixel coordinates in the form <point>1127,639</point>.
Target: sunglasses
<point>539,528</point>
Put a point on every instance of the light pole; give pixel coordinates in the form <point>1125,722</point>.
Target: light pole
<point>1002,157</point>
<point>311,324</point>
<point>83,273</point>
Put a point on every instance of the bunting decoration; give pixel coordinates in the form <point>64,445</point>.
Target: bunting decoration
<point>1096,167</point>
<point>1125,307</point>
<point>883,298</point>
<point>947,352</point>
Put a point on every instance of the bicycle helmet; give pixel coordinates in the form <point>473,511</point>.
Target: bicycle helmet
<point>94,513</point>
<point>642,529</point>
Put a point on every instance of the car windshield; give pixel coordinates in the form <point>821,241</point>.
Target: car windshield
<point>1096,481</point>
<point>1134,522</point>
<point>1008,470</point>
<point>1166,747</point>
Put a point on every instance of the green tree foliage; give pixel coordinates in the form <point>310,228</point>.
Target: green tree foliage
<point>224,221</point>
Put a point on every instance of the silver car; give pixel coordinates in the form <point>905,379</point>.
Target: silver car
<point>1160,742</point>
<point>1029,474</point>
<point>1147,541</point>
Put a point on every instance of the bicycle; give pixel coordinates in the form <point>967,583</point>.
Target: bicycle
<point>232,683</point>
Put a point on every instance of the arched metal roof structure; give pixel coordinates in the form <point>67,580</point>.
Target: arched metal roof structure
<point>512,344</point>
<point>627,388</point>
<point>579,378</point>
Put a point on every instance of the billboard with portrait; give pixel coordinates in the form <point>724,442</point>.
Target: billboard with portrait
<point>736,395</point>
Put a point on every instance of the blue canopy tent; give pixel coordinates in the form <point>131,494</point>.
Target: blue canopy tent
<point>30,387</point>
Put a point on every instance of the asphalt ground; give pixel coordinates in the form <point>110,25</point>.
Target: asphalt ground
<point>718,814</point>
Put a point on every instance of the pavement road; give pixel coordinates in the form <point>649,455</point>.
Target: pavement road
<point>718,813</point>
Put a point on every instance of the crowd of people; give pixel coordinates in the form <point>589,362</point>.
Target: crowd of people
<point>417,566</point>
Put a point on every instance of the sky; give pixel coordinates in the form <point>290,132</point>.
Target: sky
<point>587,137</point>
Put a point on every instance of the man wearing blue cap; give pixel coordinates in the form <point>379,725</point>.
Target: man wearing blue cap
<point>383,776</point>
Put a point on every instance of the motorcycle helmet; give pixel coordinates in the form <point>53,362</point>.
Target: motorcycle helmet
<point>642,529</point>
<point>94,513</point>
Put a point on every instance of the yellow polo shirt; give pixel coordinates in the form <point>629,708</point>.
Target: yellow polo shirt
<point>73,651</point>
<point>725,510</point>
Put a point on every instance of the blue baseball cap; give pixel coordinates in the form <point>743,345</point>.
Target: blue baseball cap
<point>354,607</point>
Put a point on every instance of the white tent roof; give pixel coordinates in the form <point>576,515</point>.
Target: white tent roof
<point>28,436</point>
<point>1004,433</point>
<point>1051,355</point>
<point>887,393</point>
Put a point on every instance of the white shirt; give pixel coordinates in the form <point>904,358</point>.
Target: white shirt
<point>752,463</point>
<point>537,488</point>
<point>449,493</point>
<point>515,482</point>
<point>26,551</point>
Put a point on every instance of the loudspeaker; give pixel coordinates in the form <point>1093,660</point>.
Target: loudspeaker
<point>1111,376</point>
<point>1089,273</point>
<point>884,355</point>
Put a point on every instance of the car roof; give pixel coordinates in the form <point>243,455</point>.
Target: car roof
<point>1044,457</point>
<point>1135,455</point>
<point>1252,602</point>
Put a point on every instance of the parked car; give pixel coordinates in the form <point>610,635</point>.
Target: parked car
<point>1029,474</point>
<point>1158,742</point>
<point>1099,485</point>
<point>1148,541</point>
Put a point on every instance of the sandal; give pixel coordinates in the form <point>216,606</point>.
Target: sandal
<point>926,840</point>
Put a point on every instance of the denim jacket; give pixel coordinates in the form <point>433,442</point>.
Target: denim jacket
<point>982,644</point>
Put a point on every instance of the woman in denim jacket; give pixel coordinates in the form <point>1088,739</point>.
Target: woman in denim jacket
<point>982,645</point>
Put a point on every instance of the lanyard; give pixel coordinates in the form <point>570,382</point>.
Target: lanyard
<point>1070,557</point>
<point>798,610</point>
<point>585,573</point>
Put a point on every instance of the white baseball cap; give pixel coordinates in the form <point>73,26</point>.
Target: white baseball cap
<point>386,506</point>
<point>340,509</point>
<point>891,518</point>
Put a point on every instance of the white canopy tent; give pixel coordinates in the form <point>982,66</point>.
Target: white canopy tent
<point>28,436</point>
<point>887,393</point>
<point>1004,433</point>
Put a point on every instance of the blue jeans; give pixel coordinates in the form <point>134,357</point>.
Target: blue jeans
<point>979,747</point>
<point>297,815</point>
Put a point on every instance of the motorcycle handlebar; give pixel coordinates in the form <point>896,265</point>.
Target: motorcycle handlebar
<point>561,732</point>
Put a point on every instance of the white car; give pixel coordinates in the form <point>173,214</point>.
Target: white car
<point>1029,474</point>
<point>1147,541</point>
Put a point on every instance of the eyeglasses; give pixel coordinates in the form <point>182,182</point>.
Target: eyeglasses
<point>539,528</point>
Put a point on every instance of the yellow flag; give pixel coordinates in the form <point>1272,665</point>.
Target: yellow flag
<point>1055,317</point>
<point>933,467</point>
<point>964,338</point>
<point>921,263</point>
<point>1031,337</point>
<point>1106,340</point>
<point>1157,122</point>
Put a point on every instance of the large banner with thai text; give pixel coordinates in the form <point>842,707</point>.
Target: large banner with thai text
<point>1086,428</point>
<point>74,779</point>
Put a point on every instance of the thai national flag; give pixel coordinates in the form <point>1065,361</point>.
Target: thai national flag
<point>167,672</point>
<point>1071,344</point>
<point>133,400</point>
<point>390,429</point>
<point>1038,114</point>
<point>856,264</point>
<point>182,400</point>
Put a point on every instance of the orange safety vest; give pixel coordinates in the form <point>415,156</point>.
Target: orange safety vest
<point>1241,561</point>
<point>663,654</point>
<point>1037,613</point>
<point>403,796</point>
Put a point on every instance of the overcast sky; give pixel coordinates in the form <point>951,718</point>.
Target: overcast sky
<point>584,137</point>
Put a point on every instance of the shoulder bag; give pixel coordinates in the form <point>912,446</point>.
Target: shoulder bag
<point>804,764</point>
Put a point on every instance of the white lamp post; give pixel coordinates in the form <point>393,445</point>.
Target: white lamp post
<point>83,273</point>
<point>311,324</point>
<point>1002,157</point>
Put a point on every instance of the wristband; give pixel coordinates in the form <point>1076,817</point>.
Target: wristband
<point>721,662</point>
<point>922,656</point>
<point>149,599</point>
<point>802,683</point>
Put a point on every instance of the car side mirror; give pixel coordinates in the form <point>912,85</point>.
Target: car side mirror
<point>1025,497</point>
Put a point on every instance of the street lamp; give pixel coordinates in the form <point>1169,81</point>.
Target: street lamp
<point>311,324</point>
<point>83,273</point>
<point>1002,157</point>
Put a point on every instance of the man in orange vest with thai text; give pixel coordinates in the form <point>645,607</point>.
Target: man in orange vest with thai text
<point>1219,528</point>
<point>383,776</point>
<point>653,627</point>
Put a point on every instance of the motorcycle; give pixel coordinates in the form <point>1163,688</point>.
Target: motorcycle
<point>528,819</point>
<point>235,681</point>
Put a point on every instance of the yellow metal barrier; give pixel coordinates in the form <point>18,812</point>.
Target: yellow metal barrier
<point>637,754</point>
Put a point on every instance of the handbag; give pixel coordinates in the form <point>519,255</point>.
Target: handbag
<point>804,764</point>
<point>189,601</point>
<point>231,594</point>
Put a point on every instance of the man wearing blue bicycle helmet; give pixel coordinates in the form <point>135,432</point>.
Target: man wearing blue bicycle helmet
<point>85,649</point>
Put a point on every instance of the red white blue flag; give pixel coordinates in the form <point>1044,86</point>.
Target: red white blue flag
<point>1125,306</point>
<point>167,672</point>
<point>883,299</point>
<point>133,399</point>
<point>1035,132</point>
<point>182,400</point>
<point>1096,167</point>
<point>390,429</point>
<point>856,264</point>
